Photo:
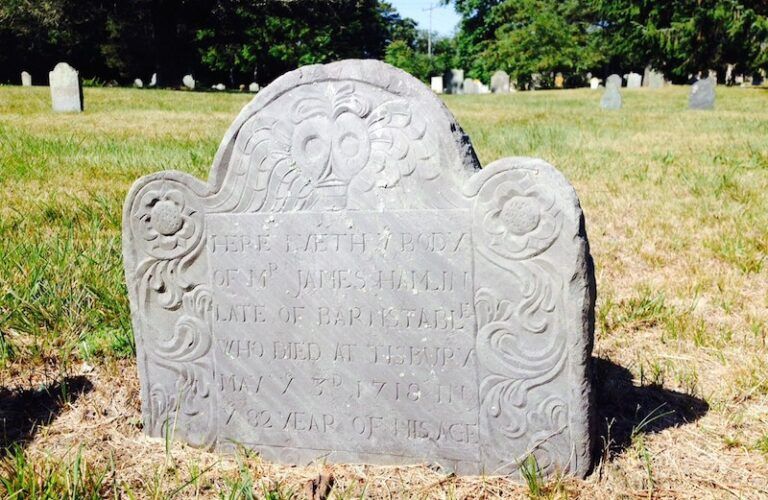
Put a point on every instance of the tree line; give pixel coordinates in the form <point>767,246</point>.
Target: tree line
<point>240,41</point>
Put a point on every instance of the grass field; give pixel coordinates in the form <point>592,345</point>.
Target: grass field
<point>676,204</point>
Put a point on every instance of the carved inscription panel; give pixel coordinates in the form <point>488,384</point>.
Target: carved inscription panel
<point>346,331</point>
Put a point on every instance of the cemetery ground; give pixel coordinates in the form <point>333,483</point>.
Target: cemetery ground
<point>677,217</point>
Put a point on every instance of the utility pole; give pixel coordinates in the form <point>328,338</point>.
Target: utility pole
<point>429,33</point>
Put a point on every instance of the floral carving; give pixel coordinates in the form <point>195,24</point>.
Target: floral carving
<point>168,224</point>
<point>518,217</point>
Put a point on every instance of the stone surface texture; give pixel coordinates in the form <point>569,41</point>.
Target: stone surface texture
<point>500,82</point>
<point>350,286</point>
<point>26,79</point>
<point>611,98</point>
<point>66,89</point>
<point>702,94</point>
<point>437,84</point>
<point>634,80</point>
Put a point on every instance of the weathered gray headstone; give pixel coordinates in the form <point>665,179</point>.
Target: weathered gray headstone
<point>594,83</point>
<point>310,302</point>
<point>471,86</point>
<point>535,81</point>
<point>453,80</point>
<point>634,81</point>
<point>253,87</point>
<point>437,84</point>
<point>153,80</point>
<point>26,79</point>
<point>612,96</point>
<point>500,82</point>
<point>219,86</point>
<point>656,79</point>
<point>138,83</point>
<point>188,82</point>
<point>702,94</point>
<point>66,89</point>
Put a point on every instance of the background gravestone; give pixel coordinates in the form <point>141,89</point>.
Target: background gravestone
<point>66,89</point>
<point>612,96</point>
<point>656,79</point>
<point>188,82</point>
<point>634,81</point>
<point>138,83</point>
<point>310,301</point>
<point>26,79</point>
<point>594,83</point>
<point>500,82</point>
<point>437,84</point>
<point>153,80</point>
<point>559,81</point>
<point>471,86</point>
<point>453,80</point>
<point>702,94</point>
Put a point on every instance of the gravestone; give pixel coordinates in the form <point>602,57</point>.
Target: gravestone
<point>153,80</point>
<point>188,82</point>
<point>656,79</point>
<point>66,89</point>
<point>594,83</point>
<point>612,96</point>
<point>453,80</point>
<point>437,84</point>
<point>634,81</point>
<point>500,82</point>
<point>138,83</point>
<point>702,94</point>
<point>253,87</point>
<point>559,81</point>
<point>26,79</point>
<point>471,86</point>
<point>219,86</point>
<point>535,81</point>
<point>310,302</point>
<point>483,88</point>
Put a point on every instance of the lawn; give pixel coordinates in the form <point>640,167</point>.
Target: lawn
<point>676,207</point>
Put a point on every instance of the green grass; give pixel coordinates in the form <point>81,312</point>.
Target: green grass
<point>675,204</point>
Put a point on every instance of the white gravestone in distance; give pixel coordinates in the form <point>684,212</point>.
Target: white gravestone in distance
<point>437,84</point>
<point>611,98</point>
<point>188,82</point>
<point>500,82</point>
<point>634,81</point>
<point>66,89</point>
<point>153,80</point>
<point>26,79</point>
<point>594,83</point>
<point>253,87</point>
<point>311,303</point>
<point>138,83</point>
<point>471,86</point>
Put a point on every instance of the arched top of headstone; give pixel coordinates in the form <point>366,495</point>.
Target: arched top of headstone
<point>346,227</point>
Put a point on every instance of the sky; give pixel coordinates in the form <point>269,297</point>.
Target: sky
<point>444,18</point>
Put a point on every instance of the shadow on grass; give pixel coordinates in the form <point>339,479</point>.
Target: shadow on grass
<point>626,410</point>
<point>23,411</point>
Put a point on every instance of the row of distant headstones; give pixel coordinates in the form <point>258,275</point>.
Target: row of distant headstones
<point>67,91</point>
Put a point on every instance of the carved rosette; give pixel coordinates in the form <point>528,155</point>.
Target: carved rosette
<point>166,221</point>
<point>521,341</point>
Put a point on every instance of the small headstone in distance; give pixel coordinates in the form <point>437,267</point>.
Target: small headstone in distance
<point>437,84</point>
<point>253,87</point>
<point>153,80</point>
<point>471,86</point>
<point>220,86</point>
<point>188,82</point>
<point>559,81</point>
<point>26,79</point>
<point>656,79</point>
<point>611,98</point>
<point>311,303</point>
<point>500,82</point>
<point>535,81</point>
<point>138,83</point>
<point>242,87</point>
<point>634,81</point>
<point>594,83</point>
<point>66,88</point>
<point>453,80</point>
<point>483,88</point>
<point>702,94</point>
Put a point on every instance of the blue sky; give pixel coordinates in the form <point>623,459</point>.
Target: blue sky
<point>444,18</point>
